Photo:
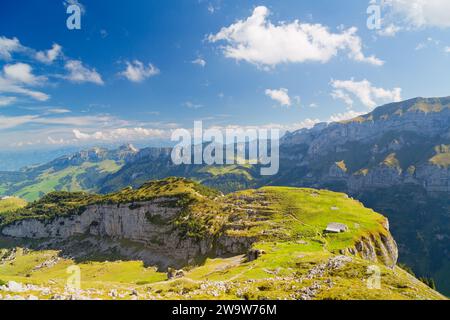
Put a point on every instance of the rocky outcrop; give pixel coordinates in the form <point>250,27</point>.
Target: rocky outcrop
<point>379,248</point>
<point>149,224</point>
<point>408,130</point>
<point>411,116</point>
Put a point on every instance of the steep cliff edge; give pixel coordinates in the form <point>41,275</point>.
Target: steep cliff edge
<point>182,224</point>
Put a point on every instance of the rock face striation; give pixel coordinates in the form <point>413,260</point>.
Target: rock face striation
<point>167,232</point>
<point>148,224</point>
<point>397,144</point>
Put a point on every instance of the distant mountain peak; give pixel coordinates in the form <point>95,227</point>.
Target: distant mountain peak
<point>415,105</point>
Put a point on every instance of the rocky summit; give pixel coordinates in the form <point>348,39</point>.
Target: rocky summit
<point>175,238</point>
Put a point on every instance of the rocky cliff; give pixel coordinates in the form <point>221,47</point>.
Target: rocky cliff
<point>397,144</point>
<point>175,229</point>
<point>146,223</point>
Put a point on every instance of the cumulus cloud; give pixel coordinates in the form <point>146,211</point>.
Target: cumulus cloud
<point>414,14</point>
<point>17,78</point>
<point>119,134</point>
<point>281,96</point>
<point>369,95</point>
<point>9,46</point>
<point>259,41</point>
<point>79,73</point>
<point>50,55</point>
<point>21,72</point>
<point>136,71</point>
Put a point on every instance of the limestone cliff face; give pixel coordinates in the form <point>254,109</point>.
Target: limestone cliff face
<point>146,223</point>
<point>397,117</point>
<point>149,225</point>
<point>409,130</point>
<point>378,248</point>
<point>433,178</point>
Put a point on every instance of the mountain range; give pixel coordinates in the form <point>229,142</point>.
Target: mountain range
<point>395,160</point>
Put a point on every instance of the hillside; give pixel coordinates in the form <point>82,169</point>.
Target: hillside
<point>267,243</point>
<point>81,171</point>
<point>11,204</point>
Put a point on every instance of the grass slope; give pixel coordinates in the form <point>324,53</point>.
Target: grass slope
<point>11,204</point>
<point>72,178</point>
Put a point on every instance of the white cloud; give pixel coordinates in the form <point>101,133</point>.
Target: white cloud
<point>9,87</point>
<point>407,15</point>
<point>15,79</point>
<point>9,46</point>
<point>14,121</point>
<point>201,62</point>
<point>94,121</point>
<point>79,73</point>
<point>50,55</point>
<point>447,49</point>
<point>420,13</point>
<point>390,31</point>
<point>137,72</point>
<point>58,111</point>
<point>258,41</point>
<point>6,101</point>
<point>305,124</point>
<point>119,134</point>
<point>281,96</point>
<point>365,92</point>
<point>345,116</point>
<point>340,94</point>
<point>23,73</point>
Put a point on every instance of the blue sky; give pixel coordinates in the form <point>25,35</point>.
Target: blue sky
<point>136,71</point>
